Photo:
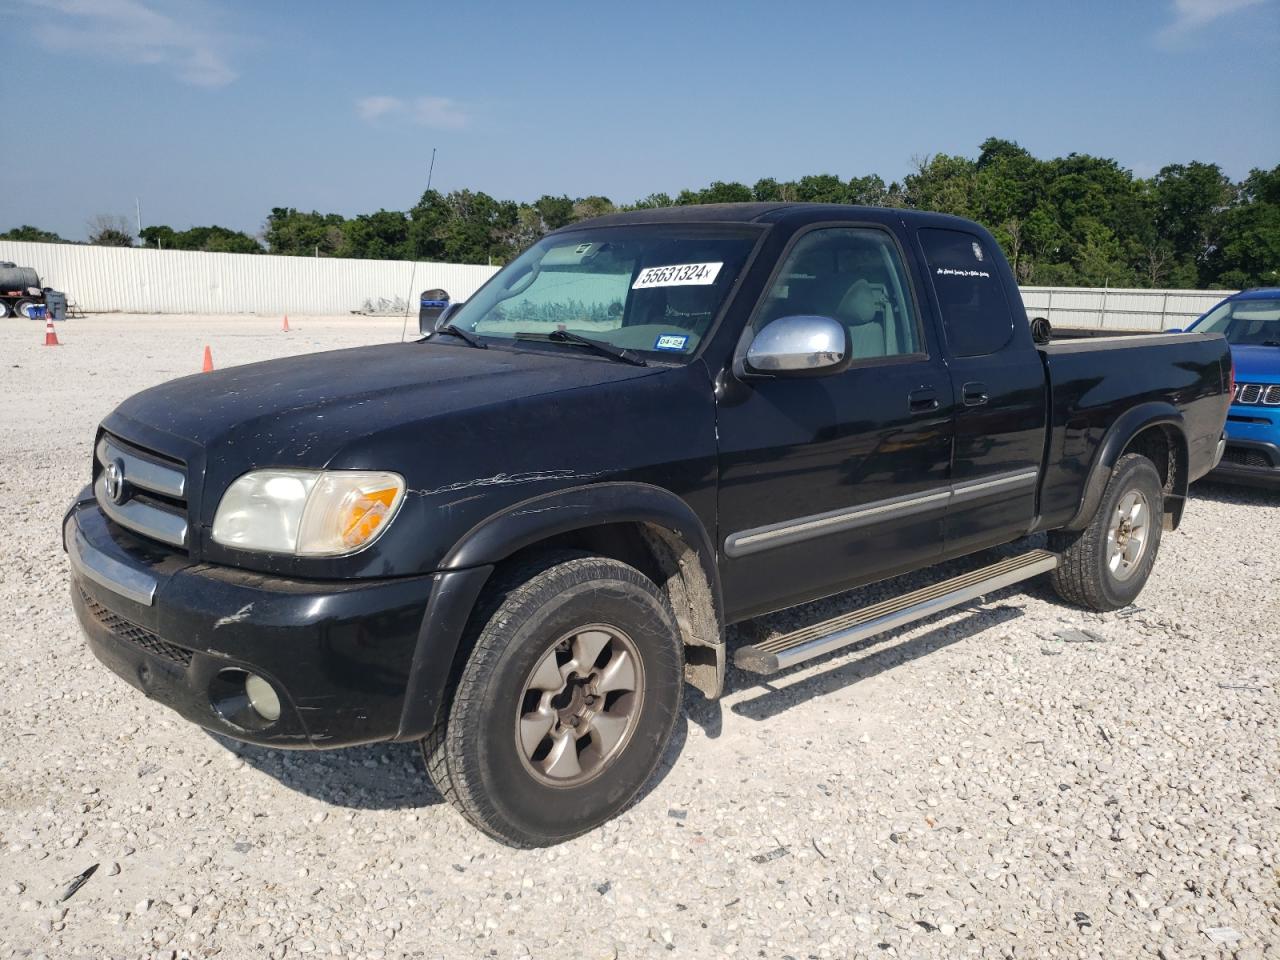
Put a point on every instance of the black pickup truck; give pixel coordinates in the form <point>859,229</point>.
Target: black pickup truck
<point>516,538</point>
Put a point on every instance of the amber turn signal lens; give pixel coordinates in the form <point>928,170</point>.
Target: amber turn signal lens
<point>366,514</point>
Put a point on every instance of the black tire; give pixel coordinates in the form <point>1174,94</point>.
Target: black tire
<point>474,757</point>
<point>5,310</point>
<point>1085,576</point>
<point>20,308</point>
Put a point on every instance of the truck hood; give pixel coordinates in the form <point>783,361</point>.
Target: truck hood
<point>301,411</point>
<point>1254,362</point>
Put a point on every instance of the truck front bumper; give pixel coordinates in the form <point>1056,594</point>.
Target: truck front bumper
<point>341,657</point>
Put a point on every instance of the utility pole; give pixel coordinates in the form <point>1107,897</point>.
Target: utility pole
<point>432,168</point>
<point>137,209</point>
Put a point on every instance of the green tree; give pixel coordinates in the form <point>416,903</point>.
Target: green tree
<point>587,207</point>
<point>554,212</point>
<point>110,230</point>
<point>376,236</point>
<point>768,190</point>
<point>868,191</point>
<point>1248,252</point>
<point>1188,200</point>
<point>30,234</point>
<point>821,188</point>
<point>654,200</point>
<point>941,182</point>
<point>213,239</point>
<point>291,232</point>
<point>722,192</point>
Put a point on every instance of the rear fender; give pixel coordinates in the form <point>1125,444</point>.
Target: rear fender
<point>1120,434</point>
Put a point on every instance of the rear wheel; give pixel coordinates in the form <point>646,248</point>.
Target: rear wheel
<point>5,310</point>
<point>1105,565</point>
<point>566,703</point>
<point>20,308</point>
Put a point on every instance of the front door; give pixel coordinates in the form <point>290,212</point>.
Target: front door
<point>831,481</point>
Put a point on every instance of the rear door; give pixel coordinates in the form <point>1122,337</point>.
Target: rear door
<point>999,385</point>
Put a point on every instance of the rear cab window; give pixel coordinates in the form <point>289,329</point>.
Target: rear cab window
<point>976,317</point>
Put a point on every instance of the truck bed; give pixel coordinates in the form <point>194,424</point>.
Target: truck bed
<point>1092,383</point>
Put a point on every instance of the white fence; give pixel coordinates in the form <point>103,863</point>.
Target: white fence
<point>1095,308</point>
<point>109,279</point>
<point>135,280</point>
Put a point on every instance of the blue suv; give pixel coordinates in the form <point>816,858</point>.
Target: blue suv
<point>1251,323</point>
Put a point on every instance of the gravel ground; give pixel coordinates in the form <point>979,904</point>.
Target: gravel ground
<point>1016,779</point>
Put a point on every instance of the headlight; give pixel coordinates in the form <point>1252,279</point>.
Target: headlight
<point>308,513</point>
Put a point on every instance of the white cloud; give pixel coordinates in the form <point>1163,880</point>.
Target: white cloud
<point>371,108</point>
<point>1191,15</point>
<point>440,112</point>
<point>133,31</point>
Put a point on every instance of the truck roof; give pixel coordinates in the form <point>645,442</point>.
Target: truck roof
<point>794,213</point>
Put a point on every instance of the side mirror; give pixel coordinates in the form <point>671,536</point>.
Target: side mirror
<point>800,346</point>
<point>431,305</point>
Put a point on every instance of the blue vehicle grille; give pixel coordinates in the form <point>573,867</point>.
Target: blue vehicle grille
<point>1258,394</point>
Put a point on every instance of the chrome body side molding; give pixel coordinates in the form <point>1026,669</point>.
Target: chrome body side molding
<point>751,541</point>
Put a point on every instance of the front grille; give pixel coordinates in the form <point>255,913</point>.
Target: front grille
<point>1263,394</point>
<point>122,629</point>
<point>1246,457</point>
<point>142,491</point>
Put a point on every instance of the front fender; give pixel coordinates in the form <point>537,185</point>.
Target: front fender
<point>530,521</point>
<point>468,565</point>
<point>1127,426</point>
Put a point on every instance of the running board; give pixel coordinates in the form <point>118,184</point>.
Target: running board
<point>792,648</point>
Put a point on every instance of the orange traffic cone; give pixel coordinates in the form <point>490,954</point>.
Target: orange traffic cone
<point>286,323</point>
<point>50,335</point>
<point>208,360</point>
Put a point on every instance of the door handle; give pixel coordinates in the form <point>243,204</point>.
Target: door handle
<point>974,394</point>
<point>923,400</point>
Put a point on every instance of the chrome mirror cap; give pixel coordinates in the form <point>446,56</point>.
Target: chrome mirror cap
<point>800,345</point>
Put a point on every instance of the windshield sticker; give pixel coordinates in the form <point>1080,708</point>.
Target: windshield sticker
<point>678,275</point>
<point>948,272</point>
<point>671,341</point>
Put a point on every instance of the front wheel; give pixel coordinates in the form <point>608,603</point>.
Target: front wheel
<point>1105,565</point>
<point>566,703</point>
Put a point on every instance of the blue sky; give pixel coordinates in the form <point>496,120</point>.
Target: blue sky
<point>216,112</point>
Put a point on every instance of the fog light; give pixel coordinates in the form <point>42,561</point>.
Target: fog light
<point>244,699</point>
<point>262,697</point>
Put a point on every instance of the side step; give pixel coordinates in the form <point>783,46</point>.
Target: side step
<point>792,648</point>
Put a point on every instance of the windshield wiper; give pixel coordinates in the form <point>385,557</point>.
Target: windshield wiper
<point>598,346</point>
<point>469,338</point>
<point>1271,343</point>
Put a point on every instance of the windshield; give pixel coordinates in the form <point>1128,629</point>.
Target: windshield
<point>1244,321</point>
<point>654,288</point>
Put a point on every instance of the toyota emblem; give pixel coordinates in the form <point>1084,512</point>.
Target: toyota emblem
<point>113,479</point>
